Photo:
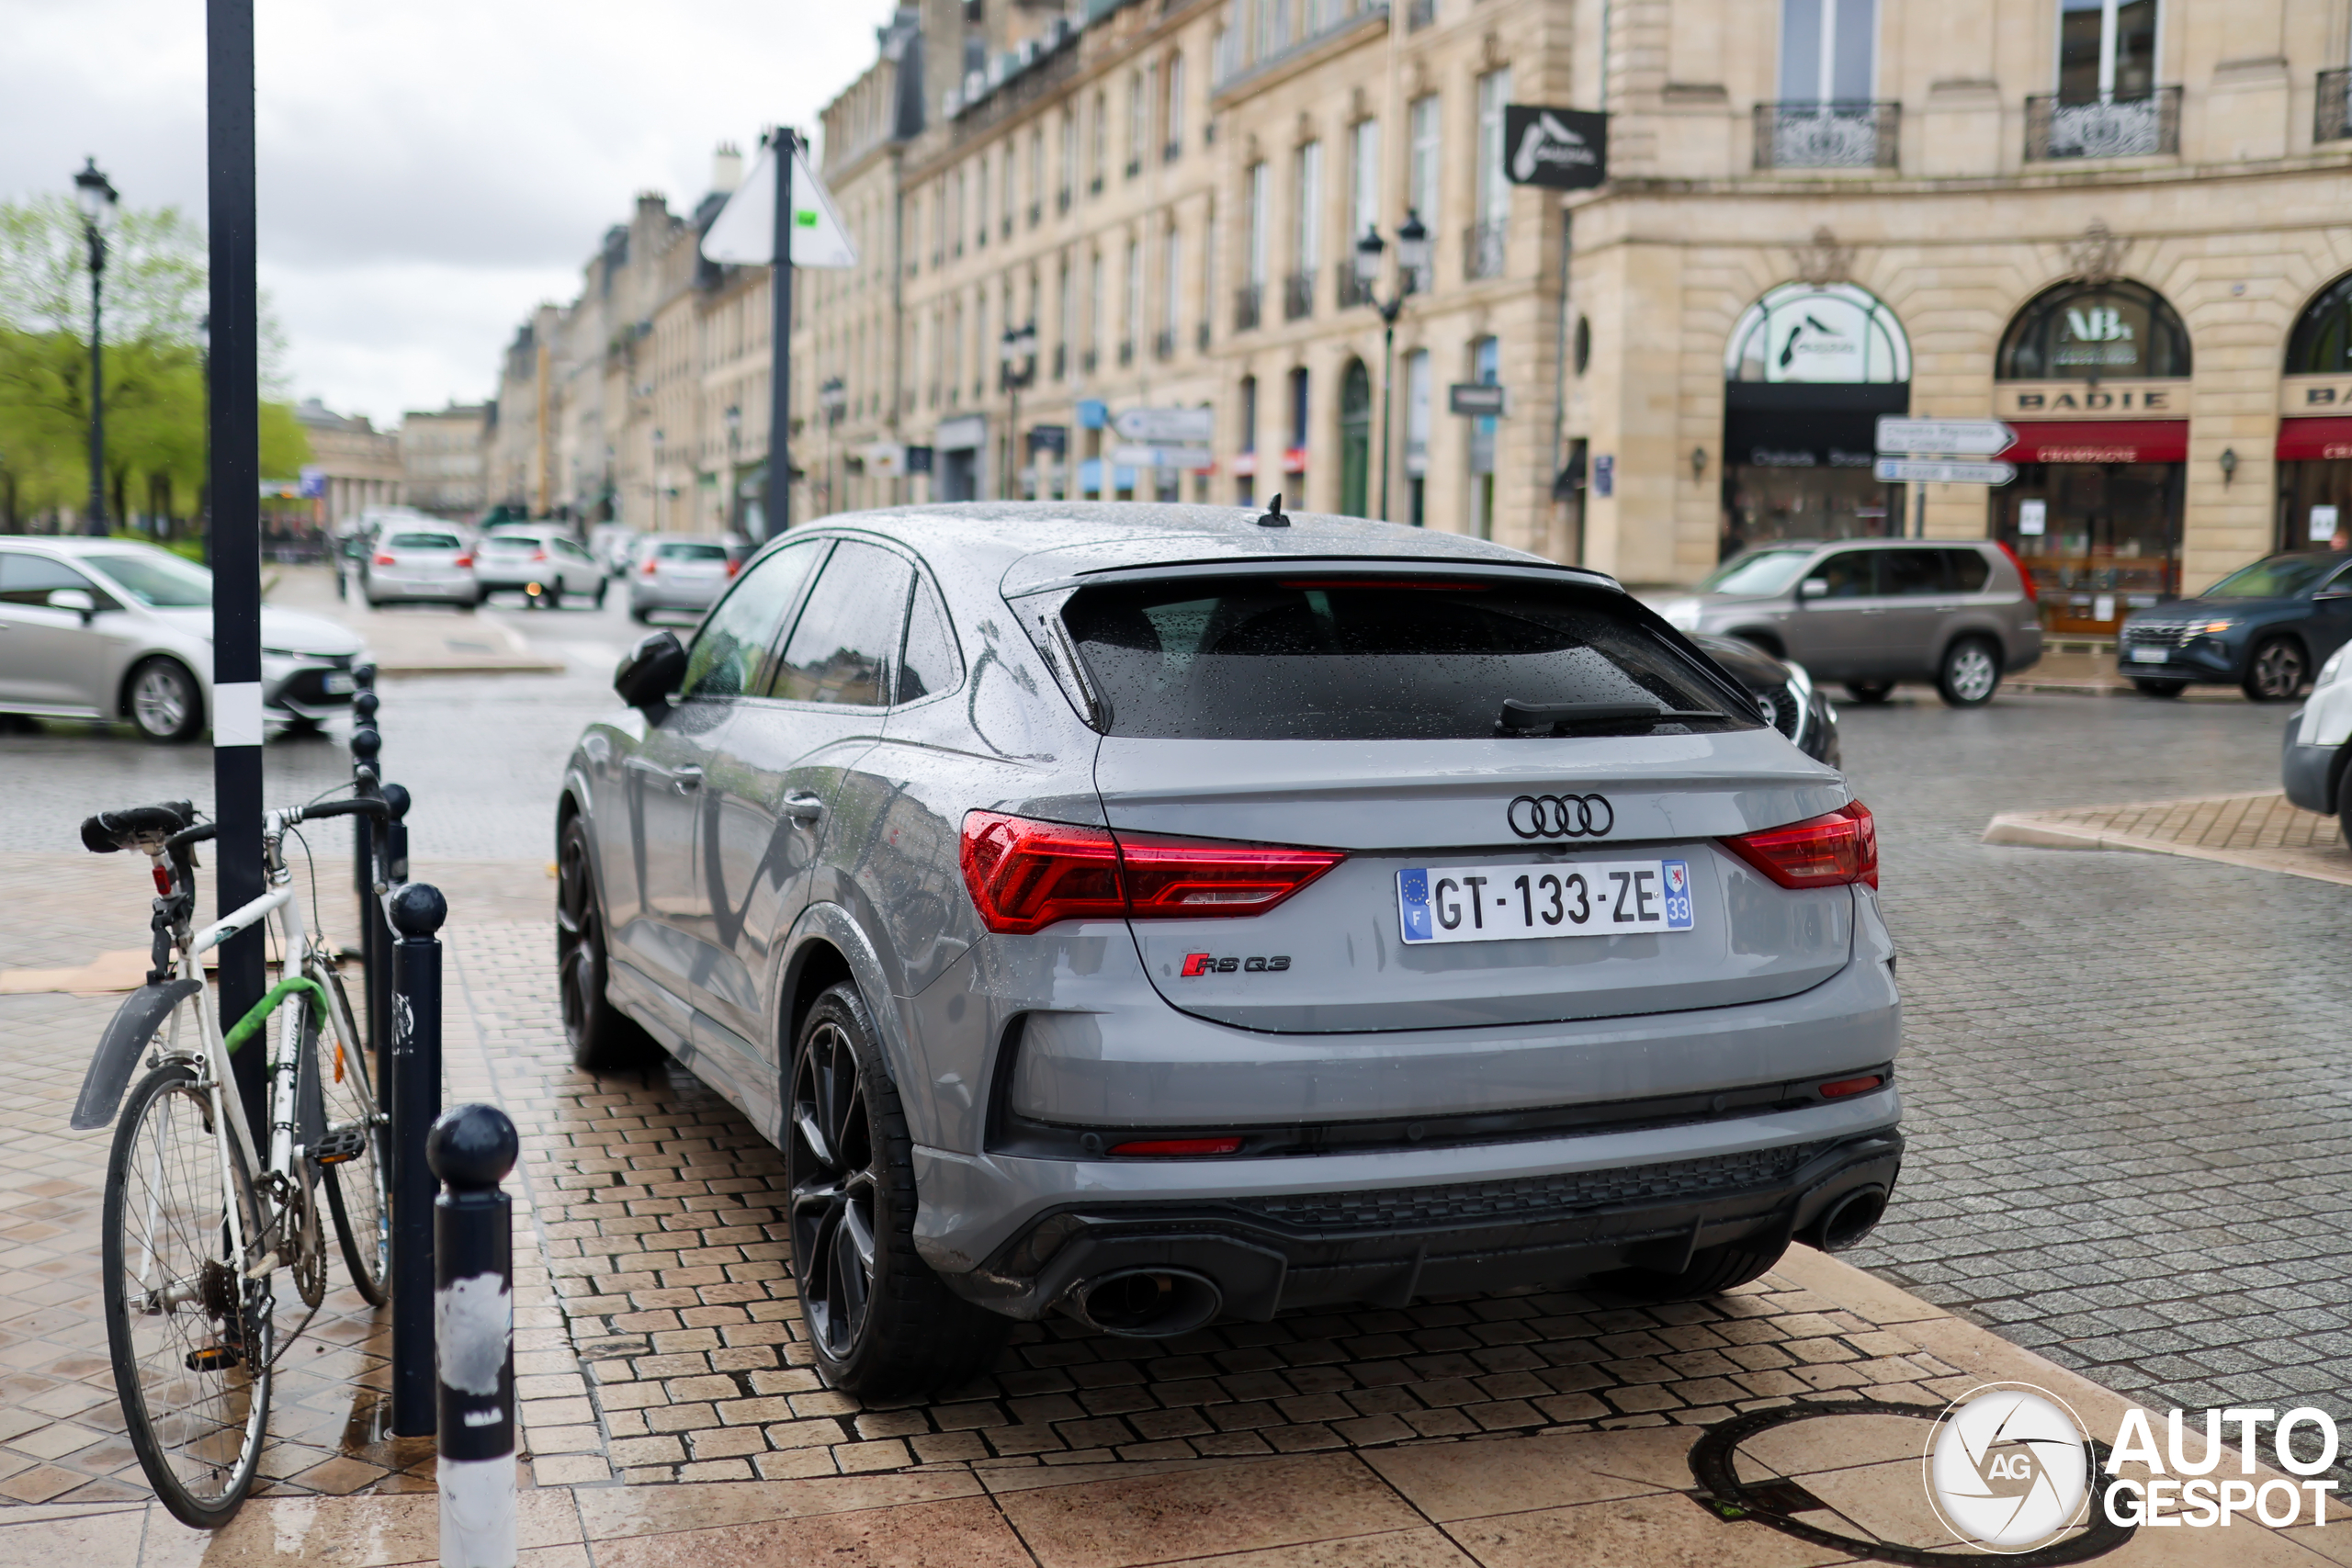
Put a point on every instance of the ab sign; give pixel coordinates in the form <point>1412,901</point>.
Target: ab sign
<point>1561,149</point>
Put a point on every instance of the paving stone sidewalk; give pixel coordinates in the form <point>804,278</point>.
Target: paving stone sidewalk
<point>2263,830</point>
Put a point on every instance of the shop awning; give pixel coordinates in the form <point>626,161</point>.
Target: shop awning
<point>2305,438</point>
<point>2101,440</point>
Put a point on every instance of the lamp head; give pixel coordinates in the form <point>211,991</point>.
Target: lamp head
<point>1369,250</point>
<point>94,194</point>
<point>1413,243</point>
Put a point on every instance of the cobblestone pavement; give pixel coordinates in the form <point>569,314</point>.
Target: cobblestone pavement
<point>2125,1074</point>
<point>2265,831</point>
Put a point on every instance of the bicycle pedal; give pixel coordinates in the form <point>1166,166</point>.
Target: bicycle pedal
<point>214,1359</point>
<point>340,1144</point>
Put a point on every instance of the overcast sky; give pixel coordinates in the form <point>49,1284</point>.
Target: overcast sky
<point>429,170</point>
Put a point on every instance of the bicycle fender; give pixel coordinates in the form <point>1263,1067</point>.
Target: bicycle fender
<point>133,1024</point>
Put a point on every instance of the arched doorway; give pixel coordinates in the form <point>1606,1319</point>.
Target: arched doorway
<point>2094,379</point>
<point>1809,369</point>
<point>2315,435</point>
<point>1355,441</point>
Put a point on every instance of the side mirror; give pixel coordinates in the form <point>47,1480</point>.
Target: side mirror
<point>649,672</point>
<point>1812,588</point>
<point>77,600</point>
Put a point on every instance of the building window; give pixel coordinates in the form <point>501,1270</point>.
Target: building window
<point>1036,176</point>
<point>1364,179</point>
<point>1133,312</point>
<point>1069,158</point>
<point>1100,152</point>
<point>1485,368</point>
<point>1828,51</point>
<point>1270,26</point>
<point>980,201</point>
<point>1175,148</point>
<point>1138,113</point>
<point>1307,235</point>
<point>1484,251</point>
<point>1421,176</point>
<point>2107,48</point>
<point>1417,436</point>
<point>1298,426</point>
<point>1094,310</point>
<point>1171,282</point>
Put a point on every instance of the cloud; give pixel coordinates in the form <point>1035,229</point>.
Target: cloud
<point>427,172</point>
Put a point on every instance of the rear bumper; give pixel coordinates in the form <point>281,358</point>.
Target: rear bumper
<point>1387,1246</point>
<point>391,586</point>
<point>674,596</point>
<point>2310,774</point>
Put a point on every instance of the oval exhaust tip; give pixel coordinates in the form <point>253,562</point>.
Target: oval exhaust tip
<point>1147,1304</point>
<point>1851,1218</point>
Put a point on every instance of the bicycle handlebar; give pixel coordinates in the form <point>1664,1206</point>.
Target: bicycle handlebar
<point>164,826</point>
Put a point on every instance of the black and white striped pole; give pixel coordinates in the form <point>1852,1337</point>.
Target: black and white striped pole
<point>472,1149</point>
<point>233,395</point>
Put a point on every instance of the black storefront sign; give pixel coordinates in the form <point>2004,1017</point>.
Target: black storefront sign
<point>918,459</point>
<point>1807,426</point>
<point>1054,438</point>
<point>1558,149</point>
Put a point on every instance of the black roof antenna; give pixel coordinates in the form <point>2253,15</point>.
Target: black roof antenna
<point>1273,516</point>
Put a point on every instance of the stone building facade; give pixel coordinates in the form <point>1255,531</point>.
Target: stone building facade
<point>442,460</point>
<point>359,464</point>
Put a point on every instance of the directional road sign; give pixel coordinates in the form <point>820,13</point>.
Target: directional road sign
<point>1940,471</point>
<point>1945,437</point>
<point>1165,424</point>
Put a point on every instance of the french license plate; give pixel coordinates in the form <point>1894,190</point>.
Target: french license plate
<point>2149,655</point>
<point>339,685</point>
<point>1515,903</point>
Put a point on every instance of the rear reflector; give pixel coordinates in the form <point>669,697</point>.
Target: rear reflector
<point>1025,875</point>
<point>1829,850</point>
<point>1845,1087</point>
<point>1179,1146</point>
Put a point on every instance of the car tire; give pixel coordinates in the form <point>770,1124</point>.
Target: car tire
<point>599,600</point>
<point>1869,691</point>
<point>1970,673</point>
<point>2275,670</point>
<point>603,1038</point>
<point>2162,688</point>
<point>2344,806</point>
<point>165,702</point>
<point>882,1324</point>
<point>1711,1273</point>
<point>640,615</point>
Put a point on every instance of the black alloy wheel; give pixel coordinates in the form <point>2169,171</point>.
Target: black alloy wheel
<point>603,1038</point>
<point>2276,672</point>
<point>882,1323</point>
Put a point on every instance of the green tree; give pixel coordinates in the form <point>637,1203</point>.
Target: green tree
<point>155,393</point>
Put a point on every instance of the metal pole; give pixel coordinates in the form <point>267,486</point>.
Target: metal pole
<point>779,517</point>
<point>472,1148</point>
<point>97,526</point>
<point>1387,385</point>
<point>236,511</point>
<point>417,911</point>
<point>1920,512</point>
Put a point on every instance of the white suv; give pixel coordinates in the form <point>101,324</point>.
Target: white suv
<point>2317,767</point>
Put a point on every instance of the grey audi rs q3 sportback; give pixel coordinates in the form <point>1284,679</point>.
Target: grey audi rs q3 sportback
<point>1160,914</point>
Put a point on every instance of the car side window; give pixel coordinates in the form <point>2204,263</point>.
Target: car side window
<point>29,579</point>
<point>727,657</point>
<point>931,663</point>
<point>1970,571</point>
<point>1850,574</point>
<point>842,648</point>
<point>1914,573</point>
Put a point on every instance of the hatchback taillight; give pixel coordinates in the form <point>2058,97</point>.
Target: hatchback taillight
<point>1025,875</point>
<point>538,555</point>
<point>1829,850</point>
<point>464,561</point>
<point>733,566</point>
<point>651,564</point>
<point>382,560</point>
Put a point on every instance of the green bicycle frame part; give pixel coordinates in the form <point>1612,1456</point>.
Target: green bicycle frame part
<point>250,1025</point>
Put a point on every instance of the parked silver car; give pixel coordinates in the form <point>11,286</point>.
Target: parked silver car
<point>413,563</point>
<point>1871,612</point>
<point>1158,913</point>
<point>105,629</point>
<point>541,564</point>
<point>671,573</point>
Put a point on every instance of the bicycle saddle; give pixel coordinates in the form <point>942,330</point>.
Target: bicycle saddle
<point>142,828</point>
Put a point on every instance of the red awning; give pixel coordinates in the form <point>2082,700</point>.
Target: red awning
<point>2304,438</point>
<point>2100,441</point>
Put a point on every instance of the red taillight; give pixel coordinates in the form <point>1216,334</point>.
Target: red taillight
<point>2032,595</point>
<point>1179,1146</point>
<point>384,561</point>
<point>1027,876</point>
<point>538,555</point>
<point>733,566</point>
<point>1845,1087</point>
<point>649,566</point>
<point>465,561</point>
<point>1829,850</point>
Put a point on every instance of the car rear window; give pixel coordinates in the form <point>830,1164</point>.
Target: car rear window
<point>693,552</point>
<point>424,541</point>
<point>1269,658</point>
<point>509,543</point>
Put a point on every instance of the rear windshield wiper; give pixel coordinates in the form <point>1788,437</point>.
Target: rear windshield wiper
<point>1558,717</point>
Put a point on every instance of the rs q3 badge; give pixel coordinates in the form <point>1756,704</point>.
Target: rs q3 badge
<point>1199,964</point>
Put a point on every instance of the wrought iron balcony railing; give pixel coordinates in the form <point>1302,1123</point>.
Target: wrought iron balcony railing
<point>1839,134</point>
<point>1249,302</point>
<point>1482,249</point>
<point>1298,295</point>
<point>1163,343</point>
<point>2139,127</point>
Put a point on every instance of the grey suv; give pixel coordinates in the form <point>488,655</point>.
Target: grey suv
<point>1165,913</point>
<point>1874,612</point>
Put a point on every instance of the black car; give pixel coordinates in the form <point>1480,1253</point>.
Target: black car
<point>2265,626</point>
<point>1783,691</point>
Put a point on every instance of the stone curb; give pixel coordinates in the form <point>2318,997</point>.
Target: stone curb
<point>2026,829</point>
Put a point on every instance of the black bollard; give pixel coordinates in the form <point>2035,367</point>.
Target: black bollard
<point>395,830</point>
<point>417,912</point>
<point>471,1149</point>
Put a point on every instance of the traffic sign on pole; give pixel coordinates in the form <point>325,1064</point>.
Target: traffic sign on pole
<point>1156,426</point>
<point>1941,472</point>
<point>1944,437</point>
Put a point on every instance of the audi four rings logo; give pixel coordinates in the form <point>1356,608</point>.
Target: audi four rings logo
<point>1561,816</point>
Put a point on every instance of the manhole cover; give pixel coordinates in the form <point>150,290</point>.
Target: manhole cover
<point>1850,1475</point>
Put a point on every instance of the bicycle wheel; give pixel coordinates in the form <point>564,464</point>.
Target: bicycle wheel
<point>190,1343</point>
<point>356,1165</point>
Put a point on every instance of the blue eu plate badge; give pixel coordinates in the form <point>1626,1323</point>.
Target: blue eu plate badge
<point>1413,902</point>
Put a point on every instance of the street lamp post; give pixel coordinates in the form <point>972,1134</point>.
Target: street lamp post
<point>94,194</point>
<point>1017,364</point>
<point>734,470</point>
<point>1412,255</point>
